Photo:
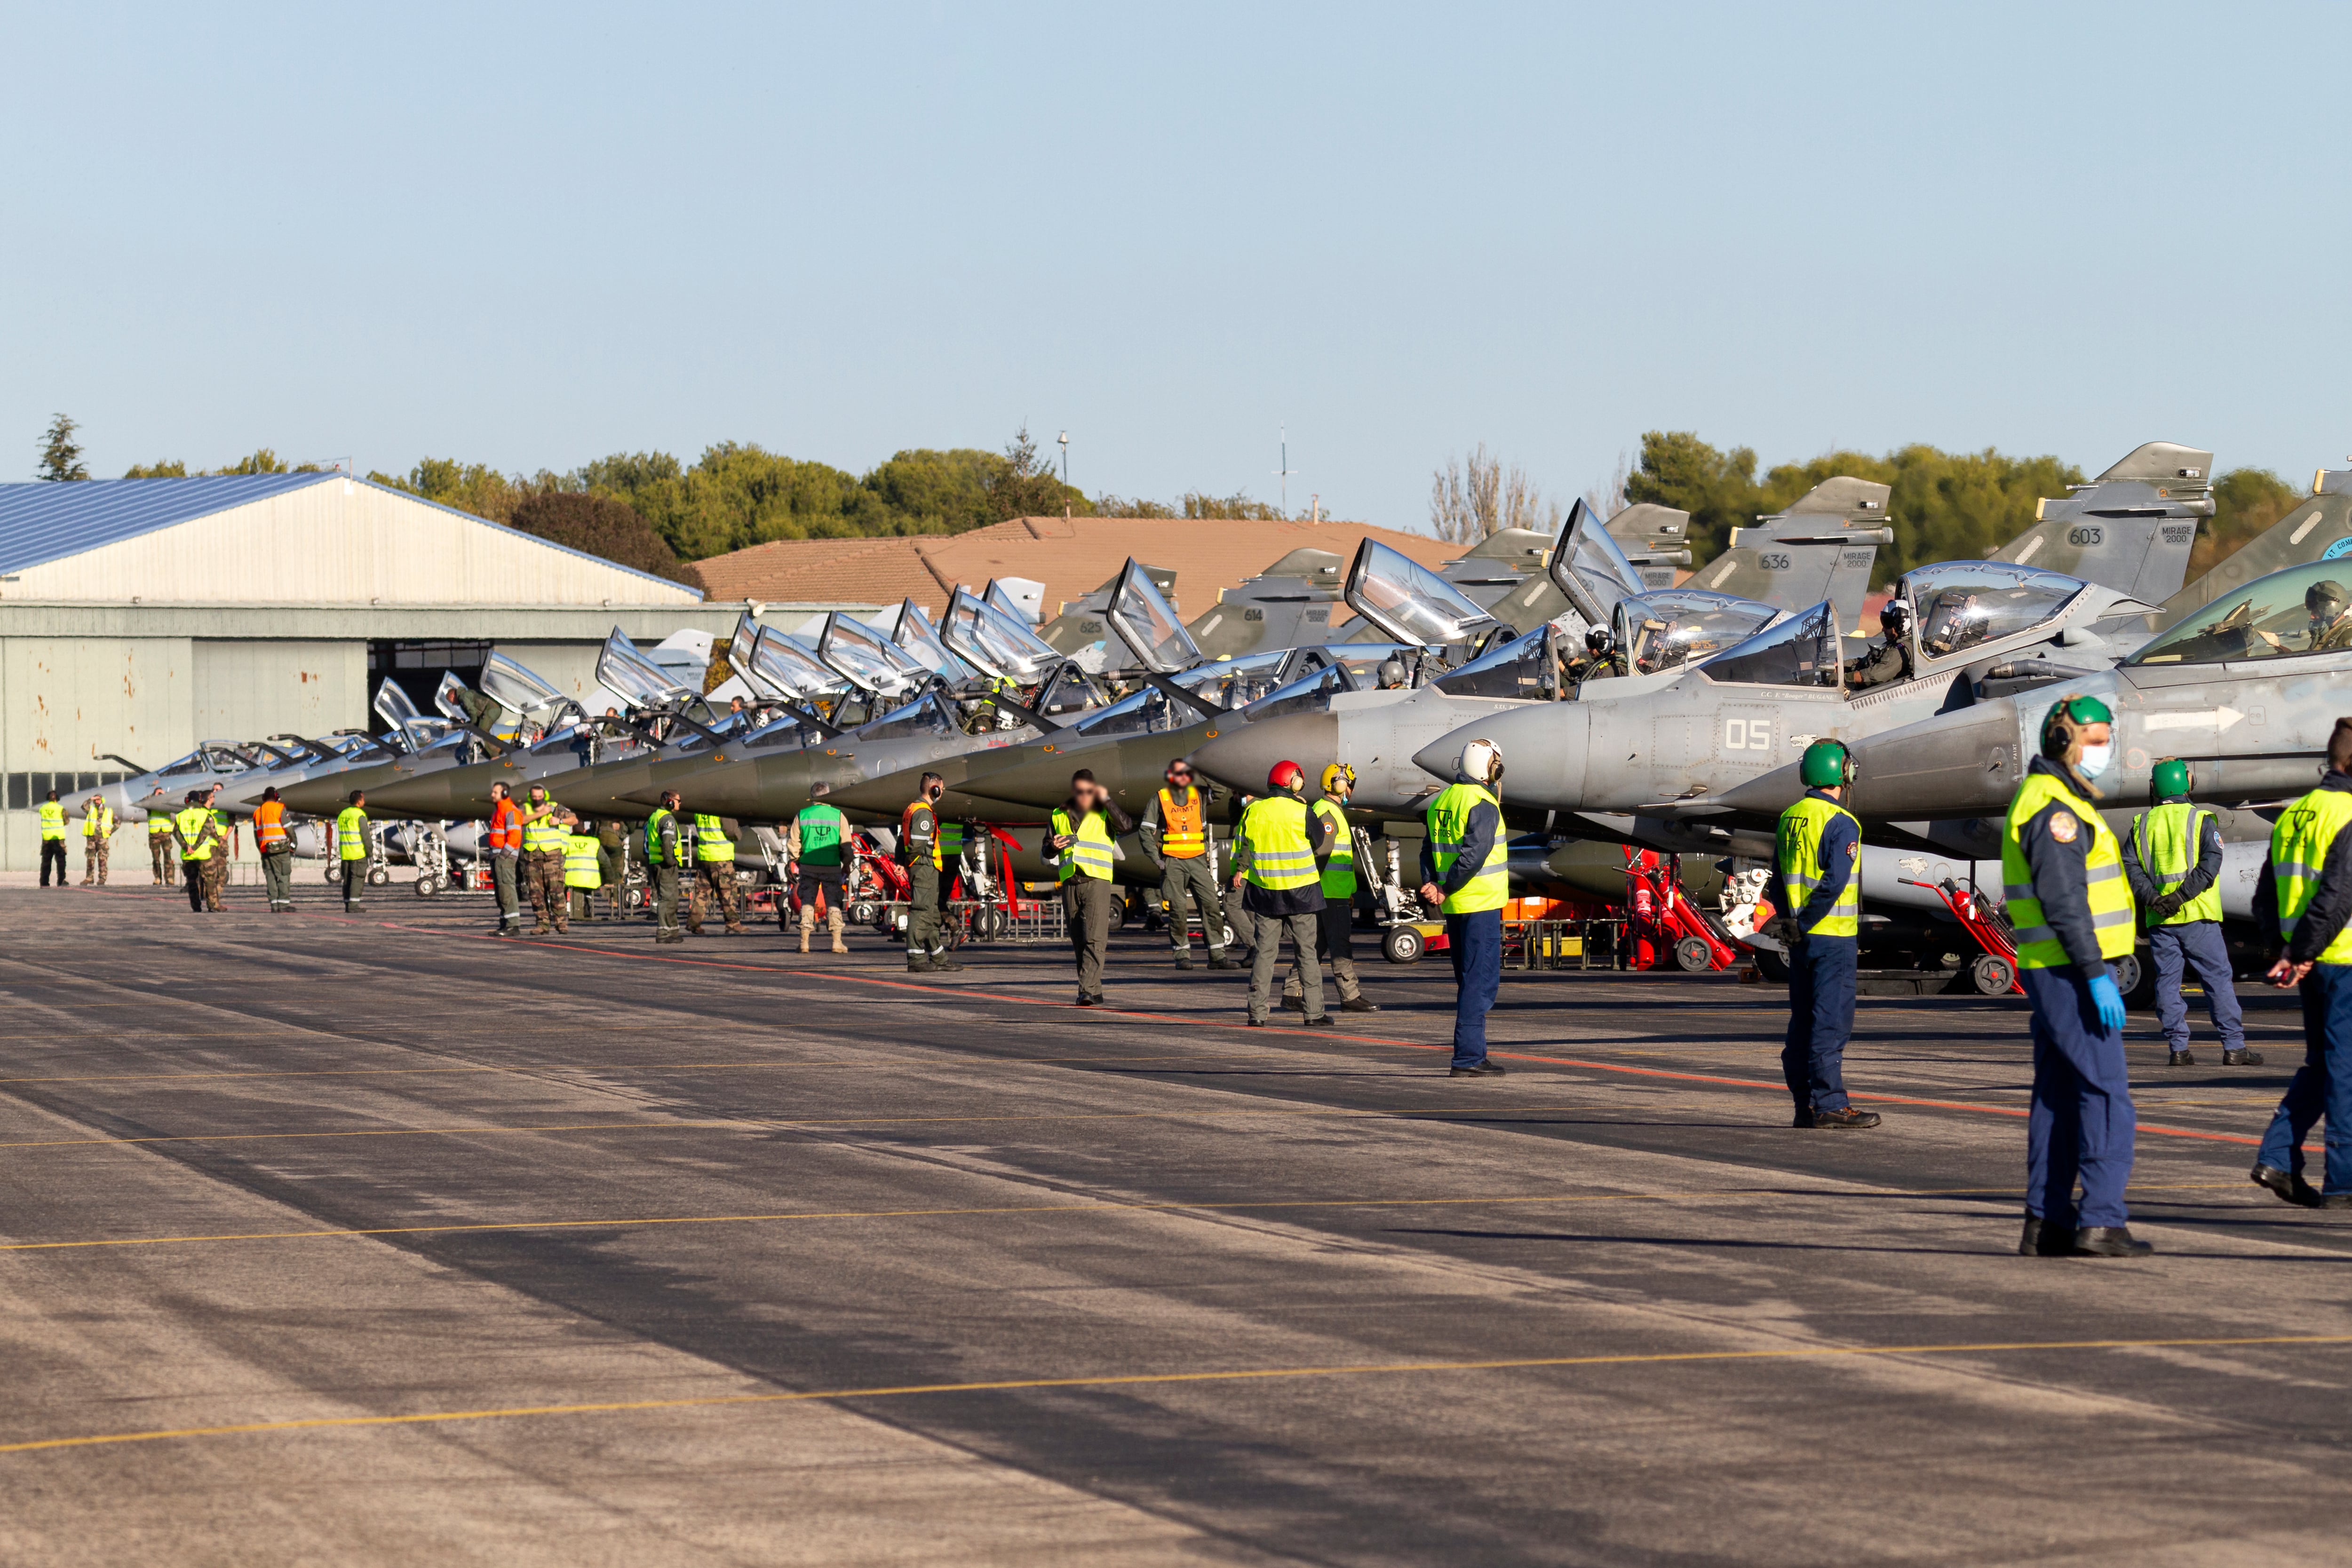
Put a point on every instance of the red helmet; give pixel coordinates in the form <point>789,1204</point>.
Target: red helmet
<point>1285,776</point>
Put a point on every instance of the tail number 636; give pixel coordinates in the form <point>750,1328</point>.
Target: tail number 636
<point>1748,734</point>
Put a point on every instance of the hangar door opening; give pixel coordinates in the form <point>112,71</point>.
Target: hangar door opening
<point>417,668</point>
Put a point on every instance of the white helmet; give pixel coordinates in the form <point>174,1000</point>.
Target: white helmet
<point>1481,761</point>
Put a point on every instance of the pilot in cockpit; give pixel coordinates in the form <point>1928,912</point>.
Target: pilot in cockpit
<point>1890,659</point>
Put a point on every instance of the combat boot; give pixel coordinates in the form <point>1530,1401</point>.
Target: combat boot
<point>2242,1057</point>
<point>944,965</point>
<point>2183,1058</point>
<point>2109,1241</point>
<point>920,963</point>
<point>1358,1004</point>
<point>808,925</point>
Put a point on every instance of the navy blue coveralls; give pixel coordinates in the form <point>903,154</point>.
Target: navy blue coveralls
<point>1474,941</point>
<point>1820,976</point>
<point>2323,1085</point>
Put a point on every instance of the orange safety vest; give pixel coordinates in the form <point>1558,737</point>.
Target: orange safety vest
<point>270,825</point>
<point>1183,829</point>
<point>506,827</point>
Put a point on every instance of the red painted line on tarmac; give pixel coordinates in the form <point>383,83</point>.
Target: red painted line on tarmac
<point>1585,1063</point>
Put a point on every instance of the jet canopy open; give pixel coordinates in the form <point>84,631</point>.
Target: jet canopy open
<point>1410,603</point>
<point>995,643</point>
<point>2302,610</point>
<point>1674,626</point>
<point>1144,619</point>
<point>1803,650</point>
<point>635,678</point>
<point>862,657</point>
<point>789,668</point>
<point>1590,567</point>
<point>912,631</point>
<point>1957,605</point>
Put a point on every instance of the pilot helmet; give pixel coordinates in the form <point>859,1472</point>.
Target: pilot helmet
<point>2326,599</point>
<point>1895,617</point>
<point>1597,641</point>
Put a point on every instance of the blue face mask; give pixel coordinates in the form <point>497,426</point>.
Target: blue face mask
<point>2095,759</point>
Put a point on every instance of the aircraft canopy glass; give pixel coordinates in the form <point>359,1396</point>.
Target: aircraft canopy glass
<point>1350,671</point>
<point>1526,666</point>
<point>920,640</point>
<point>925,716</point>
<point>1144,619</point>
<point>1591,567</point>
<point>789,665</point>
<point>995,642</point>
<point>1960,603</point>
<point>861,656</point>
<point>2303,609</point>
<point>1409,602</point>
<point>1237,682</point>
<point>635,678</point>
<point>503,680</point>
<point>1674,626</point>
<point>1802,650</point>
<point>1149,712</point>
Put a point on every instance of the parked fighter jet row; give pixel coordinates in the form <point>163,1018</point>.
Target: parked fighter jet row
<point>1635,711</point>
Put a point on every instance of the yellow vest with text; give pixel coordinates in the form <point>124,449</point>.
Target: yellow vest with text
<point>545,835</point>
<point>580,869</point>
<point>53,820</point>
<point>2299,846</point>
<point>2112,917</point>
<point>1092,854</point>
<point>192,822</point>
<point>2167,838</point>
<point>1802,871</point>
<point>1340,869</point>
<point>1281,853</point>
<point>1449,824</point>
<point>352,832</point>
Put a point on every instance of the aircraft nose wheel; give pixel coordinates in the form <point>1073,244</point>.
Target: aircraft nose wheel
<point>1402,945</point>
<point>1693,956</point>
<point>1992,975</point>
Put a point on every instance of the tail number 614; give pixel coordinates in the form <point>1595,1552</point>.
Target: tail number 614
<point>1748,734</point>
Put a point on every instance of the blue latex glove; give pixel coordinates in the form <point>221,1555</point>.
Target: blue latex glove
<point>2109,1002</point>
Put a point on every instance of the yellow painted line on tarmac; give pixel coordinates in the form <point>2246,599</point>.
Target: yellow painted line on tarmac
<point>1163,1379</point>
<point>1251,1206</point>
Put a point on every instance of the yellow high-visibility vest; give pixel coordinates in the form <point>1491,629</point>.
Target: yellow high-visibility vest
<point>1802,871</point>
<point>580,869</point>
<point>2167,838</point>
<point>543,834</point>
<point>1281,853</point>
<point>1092,852</point>
<point>2299,846</point>
<point>2112,917</point>
<point>1339,871</point>
<point>99,823</point>
<point>352,832</point>
<point>192,823</point>
<point>53,820</point>
<point>1449,824</point>
<point>712,846</point>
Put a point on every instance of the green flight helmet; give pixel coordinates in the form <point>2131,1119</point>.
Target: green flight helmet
<point>1827,765</point>
<point>2170,778</point>
<point>2066,721</point>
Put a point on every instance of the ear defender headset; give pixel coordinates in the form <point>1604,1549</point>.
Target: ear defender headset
<point>2171,777</point>
<point>2061,728</point>
<point>1336,772</point>
<point>1285,776</point>
<point>1827,765</point>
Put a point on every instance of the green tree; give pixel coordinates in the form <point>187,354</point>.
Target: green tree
<point>169,468</point>
<point>61,454</point>
<point>1718,489</point>
<point>1027,485</point>
<point>600,526</point>
<point>2246,502</point>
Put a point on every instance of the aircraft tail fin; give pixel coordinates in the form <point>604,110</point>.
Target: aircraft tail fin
<point>2131,528</point>
<point>2319,529</point>
<point>1821,548</point>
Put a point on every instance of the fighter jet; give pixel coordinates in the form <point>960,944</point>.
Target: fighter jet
<point>2319,529</point>
<point>1080,630</point>
<point>2131,528</point>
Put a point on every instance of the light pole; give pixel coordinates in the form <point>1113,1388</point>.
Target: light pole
<point>1065,439</point>
<point>1286,470</point>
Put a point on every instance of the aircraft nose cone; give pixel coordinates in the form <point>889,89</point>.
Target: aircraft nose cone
<point>1244,752</point>
<point>424,795</point>
<point>1543,746</point>
<point>315,798</point>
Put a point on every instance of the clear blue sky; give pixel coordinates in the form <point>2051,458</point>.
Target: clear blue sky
<point>532,235</point>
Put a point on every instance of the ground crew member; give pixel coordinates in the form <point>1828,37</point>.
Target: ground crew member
<point>612,859</point>
<point>1287,846</point>
<point>194,831</point>
<point>2062,877</point>
<point>1816,852</point>
<point>505,845</point>
<point>922,849</point>
<point>165,865</point>
<point>275,840</point>
<point>546,833</point>
<point>1239,921</point>
<point>1175,832</point>
<point>2172,858</point>
<point>351,849</point>
<point>2304,902</point>
<point>97,840</point>
<point>1082,844</point>
<point>1464,875</point>
<point>217,868</point>
<point>714,874</point>
<point>52,840</point>
<point>1335,923</point>
<point>817,856</point>
<point>662,859</point>
<point>581,875</point>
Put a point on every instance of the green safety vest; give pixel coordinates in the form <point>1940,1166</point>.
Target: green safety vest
<point>545,835</point>
<point>819,825</point>
<point>2112,918</point>
<point>1449,823</point>
<point>580,862</point>
<point>947,843</point>
<point>99,823</point>
<point>2167,838</point>
<point>654,837</point>
<point>1282,855</point>
<point>1800,836</point>
<point>1091,853</point>
<point>351,833</point>
<point>53,820</point>
<point>192,822</point>
<point>1339,871</point>
<point>2299,847</point>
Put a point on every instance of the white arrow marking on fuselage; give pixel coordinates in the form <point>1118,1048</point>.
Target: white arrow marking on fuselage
<point>2220,718</point>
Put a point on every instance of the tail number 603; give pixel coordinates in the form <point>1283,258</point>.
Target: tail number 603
<point>1748,734</point>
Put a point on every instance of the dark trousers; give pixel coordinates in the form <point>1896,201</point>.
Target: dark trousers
<point>2196,945</point>
<point>505,879</point>
<point>666,901</point>
<point>926,928</point>
<point>2081,1122</point>
<point>1475,943</point>
<point>1085,913</point>
<point>53,852</point>
<point>1821,1021</point>
<point>1183,880</point>
<point>277,872</point>
<point>1267,950</point>
<point>192,872</point>
<point>354,886</point>
<point>2322,1085</point>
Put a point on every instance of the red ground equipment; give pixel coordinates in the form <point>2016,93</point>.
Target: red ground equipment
<point>1661,920</point>
<point>1994,970</point>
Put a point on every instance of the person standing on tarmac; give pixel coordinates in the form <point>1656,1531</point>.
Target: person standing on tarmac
<point>52,840</point>
<point>581,875</point>
<point>2305,904</point>
<point>1175,832</point>
<point>505,845</point>
<point>165,865</point>
<point>197,834</point>
<point>1464,875</point>
<point>922,850</point>
<point>2063,878</point>
<point>1082,843</point>
<point>662,860</point>
<point>816,857</point>
<point>1335,921</point>
<point>2173,857</point>
<point>1289,845</point>
<point>97,840</point>
<point>546,832</point>
<point>217,868</point>
<point>351,849</point>
<point>275,840</point>
<point>1815,853</point>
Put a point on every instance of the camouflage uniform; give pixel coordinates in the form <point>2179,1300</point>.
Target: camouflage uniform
<point>715,883</point>
<point>95,846</point>
<point>162,851</point>
<point>216,869</point>
<point>542,873</point>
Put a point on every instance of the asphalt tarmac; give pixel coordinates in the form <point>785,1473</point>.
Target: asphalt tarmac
<point>375,1239</point>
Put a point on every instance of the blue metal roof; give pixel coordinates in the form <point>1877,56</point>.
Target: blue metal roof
<point>42,521</point>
